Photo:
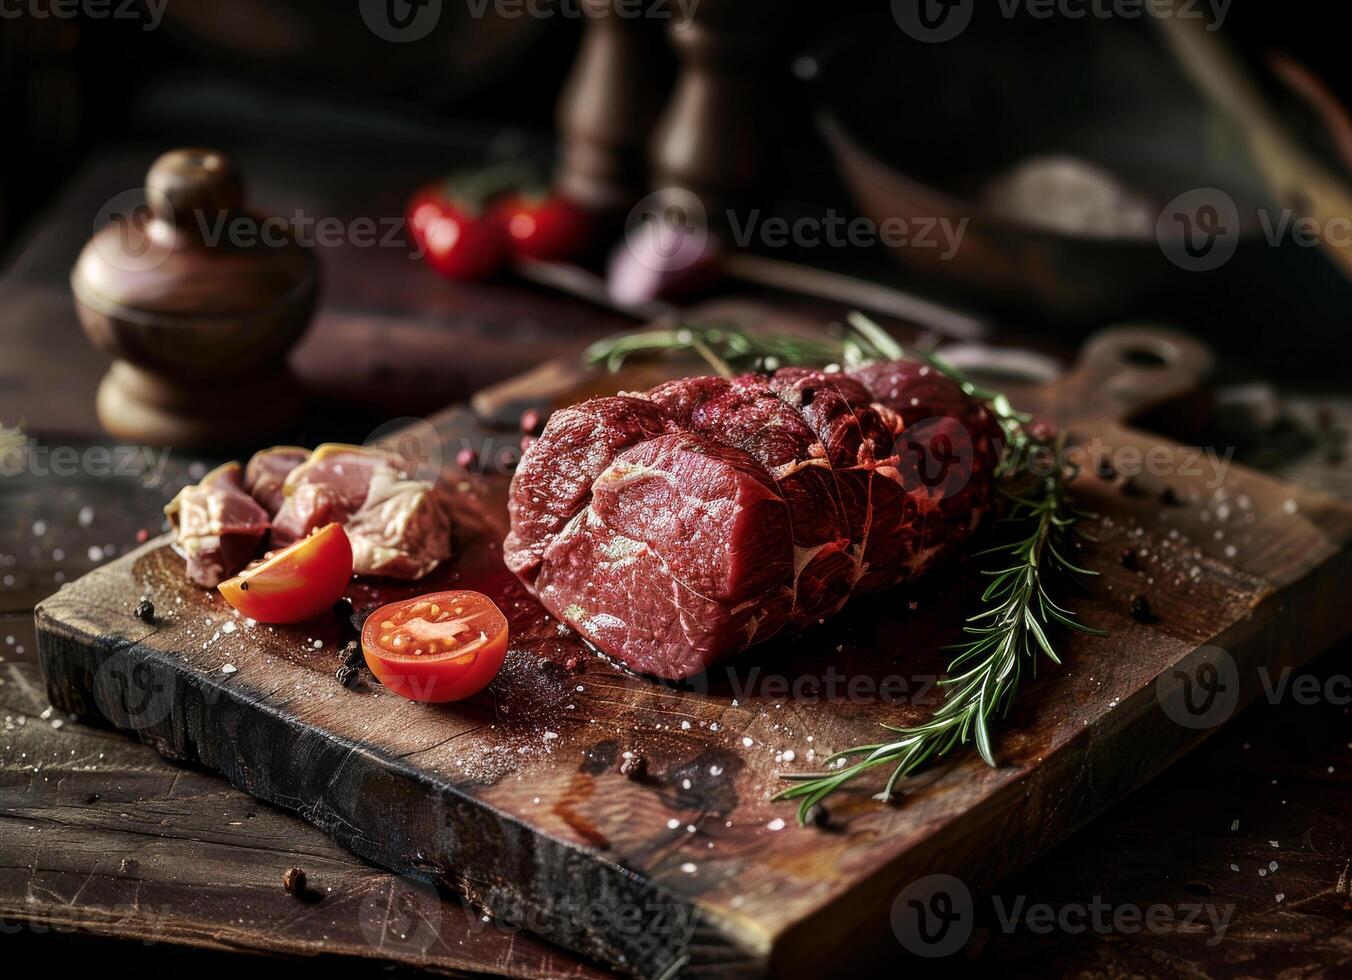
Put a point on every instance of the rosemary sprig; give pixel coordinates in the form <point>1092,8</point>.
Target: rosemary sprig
<point>1004,641</point>
<point>1018,614</point>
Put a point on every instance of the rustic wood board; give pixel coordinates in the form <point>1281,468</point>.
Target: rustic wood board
<point>515,799</point>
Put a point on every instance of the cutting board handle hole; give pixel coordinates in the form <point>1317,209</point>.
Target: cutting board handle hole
<point>1144,357</point>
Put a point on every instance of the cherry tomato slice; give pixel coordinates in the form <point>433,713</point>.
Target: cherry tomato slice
<point>444,646</point>
<point>298,583</point>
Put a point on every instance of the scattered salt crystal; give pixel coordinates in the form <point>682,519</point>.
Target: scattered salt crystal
<point>1262,872</point>
<point>318,644</point>
<point>689,868</point>
<point>57,722</point>
<point>713,726</point>
<point>86,516</point>
<point>95,553</point>
<point>1272,866</point>
<point>1234,825</point>
<point>228,669</point>
<point>789,755</point>
<point>228,628</point>
<point>39,528</point>
<point>673,823</point>
<point>748,741</point>
<point>1273,842</point>
<point>550,736</point>
<point>776,824</point>
<point>690,828</point>
<point>685,726</point>
<point>715,770</point>
<point>1289,506</point>
<point>1281,896</point>
<point>685,784</point>
<point>1234,867</point>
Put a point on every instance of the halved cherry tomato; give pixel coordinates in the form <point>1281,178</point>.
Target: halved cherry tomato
<point>550,228</point>
<point>456,237</point>
<point>298,583</point>
<point>444,646</point>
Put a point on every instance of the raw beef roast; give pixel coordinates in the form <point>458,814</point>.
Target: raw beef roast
<point>677,528</point>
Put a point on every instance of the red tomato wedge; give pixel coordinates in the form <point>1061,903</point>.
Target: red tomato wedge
<point>299,582</point>
<point>444,646</point>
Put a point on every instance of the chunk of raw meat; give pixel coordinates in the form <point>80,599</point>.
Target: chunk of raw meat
<point>860,440</point>
<point>948,448</point>
<point>745,413</point>
<point>267,471</point>
<point>217,526</point>
<point>399,527</point>
<point>681,557</point>
<point>553,481</point>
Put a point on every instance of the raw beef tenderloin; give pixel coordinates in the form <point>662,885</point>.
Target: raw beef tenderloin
<point>677,528</point>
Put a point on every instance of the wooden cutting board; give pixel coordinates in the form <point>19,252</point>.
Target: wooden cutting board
<point>516,799</point>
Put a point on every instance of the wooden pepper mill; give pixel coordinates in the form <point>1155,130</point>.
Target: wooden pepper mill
<point>198,301</point>
<point>607,109</point>
<point>707,141</point>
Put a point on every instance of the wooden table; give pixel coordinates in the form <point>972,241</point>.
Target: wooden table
<point>99,835</point>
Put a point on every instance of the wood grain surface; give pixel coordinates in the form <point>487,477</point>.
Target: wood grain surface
<point>527,814</point>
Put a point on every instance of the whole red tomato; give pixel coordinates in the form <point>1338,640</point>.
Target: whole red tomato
<point>545,227</point>
<point>459,240</point>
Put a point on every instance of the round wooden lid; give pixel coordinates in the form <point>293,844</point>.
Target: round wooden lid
<point>188,247</point>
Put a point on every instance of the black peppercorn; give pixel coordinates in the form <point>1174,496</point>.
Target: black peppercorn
<point>145,611</point>
<point>293,880</point>
<point>1140,609</point>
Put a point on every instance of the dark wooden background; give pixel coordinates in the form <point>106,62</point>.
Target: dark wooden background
<point>99,835</point>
